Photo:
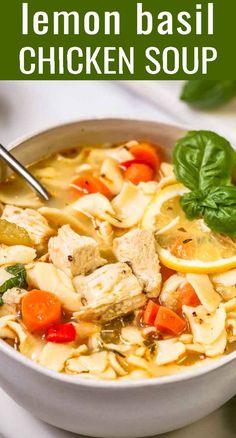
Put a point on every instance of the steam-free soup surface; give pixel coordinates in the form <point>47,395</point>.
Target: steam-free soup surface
<point>109,279</point>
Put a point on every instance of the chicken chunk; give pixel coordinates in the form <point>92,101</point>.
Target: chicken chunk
<point>14,295</point>
<point>32,221</point>
<point>110,291</point>
<point>16,254</point>
<point>74,254</point>
<point>137,249</point>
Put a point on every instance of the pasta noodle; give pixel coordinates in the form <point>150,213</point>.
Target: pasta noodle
<point>85,287</point>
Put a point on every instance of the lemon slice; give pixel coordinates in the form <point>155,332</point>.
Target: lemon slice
<point>183,245</point>
<point>195,266</point>
<point>155,218</point>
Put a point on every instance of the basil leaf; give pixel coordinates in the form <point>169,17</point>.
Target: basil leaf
<point>191,203</point>
<point>9,284</point>
<point>18,280</point>
<point>203,159</point>
<point>19,271</point>
<point>219,196</point>
<point>217,208</point>
<point>208,94</point>
<point>220,210</point>
<point>234,170</point>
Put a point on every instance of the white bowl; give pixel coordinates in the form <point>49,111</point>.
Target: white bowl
<point>101,408</point>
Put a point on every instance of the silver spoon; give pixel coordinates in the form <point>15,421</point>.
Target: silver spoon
<point>24,173</point>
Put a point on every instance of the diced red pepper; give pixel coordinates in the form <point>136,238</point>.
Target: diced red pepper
<point>150,312</point>
<point>61,333</point>
<point>126,164</point>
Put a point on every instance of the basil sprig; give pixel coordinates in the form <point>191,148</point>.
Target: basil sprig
<point>204,94</point>
<point>203,159</point>
<point>204,163</point>
<point>18,279</point>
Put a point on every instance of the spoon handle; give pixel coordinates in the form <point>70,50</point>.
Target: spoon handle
<point>23,172</point>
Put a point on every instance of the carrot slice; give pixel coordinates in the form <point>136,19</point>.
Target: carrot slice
<point>84,185</point>
<point>147,153</point>
<point>166,272</point>
<point>150,312</point>
<point>139,172</point>
<point>188,296</point>
<point>184,248</point>
<point>169,322</point>
<point>40,310</point>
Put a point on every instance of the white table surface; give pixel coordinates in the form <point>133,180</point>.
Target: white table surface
<point>28,106</point>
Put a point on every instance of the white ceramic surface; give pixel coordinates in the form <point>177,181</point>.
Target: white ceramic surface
<point>112,409</point>
<point>219,424</point>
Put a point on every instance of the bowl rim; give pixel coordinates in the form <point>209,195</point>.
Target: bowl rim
<point>87,121</point>
<point>109,384</point>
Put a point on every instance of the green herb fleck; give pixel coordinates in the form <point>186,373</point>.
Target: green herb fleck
<point>18,280</point>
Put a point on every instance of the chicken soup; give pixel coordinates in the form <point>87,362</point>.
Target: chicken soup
<point>129,271</point>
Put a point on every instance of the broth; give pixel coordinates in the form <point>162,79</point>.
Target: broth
<point>94,249</point>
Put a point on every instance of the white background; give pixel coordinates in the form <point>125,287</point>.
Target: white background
<point>28,106</point>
